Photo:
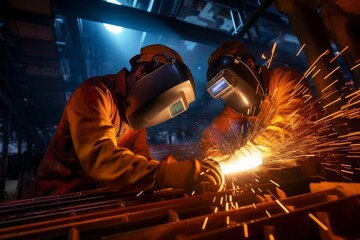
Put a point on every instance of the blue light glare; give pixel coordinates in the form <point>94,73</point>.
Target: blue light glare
<point>113,28</point>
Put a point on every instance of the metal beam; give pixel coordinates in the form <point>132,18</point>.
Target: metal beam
<point>254,17</point>
<point>101,11</point>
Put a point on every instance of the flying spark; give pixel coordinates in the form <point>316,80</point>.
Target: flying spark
<point>272,55</point>
<point>339,54</point>
<point>331,72</point>
<point>205,222</point>
<point>353,67</point>
<point>318,222</point>
<point>282,206</point>
<point>316,73</point>
<point>275,183</point>
<point>297,54</point>
<point>267,213</point>
<point>308,132</point>
<point>246,231</point>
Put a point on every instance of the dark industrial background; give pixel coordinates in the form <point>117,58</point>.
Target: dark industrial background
<point>48,47</point>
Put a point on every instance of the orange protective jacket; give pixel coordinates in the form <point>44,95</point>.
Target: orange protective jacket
<point>93,144</point>
<point>285,110</point>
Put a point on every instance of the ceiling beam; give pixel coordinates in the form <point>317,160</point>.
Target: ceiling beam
<point>128,17</point>
<point>254,17</point>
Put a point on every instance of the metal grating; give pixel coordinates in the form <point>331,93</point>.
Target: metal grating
<point>254,212</point>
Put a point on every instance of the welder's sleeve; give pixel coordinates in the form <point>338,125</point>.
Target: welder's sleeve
<point>216,138</point>
<point>141,146</point>
<point>282,112</point>
<point>93,135</point>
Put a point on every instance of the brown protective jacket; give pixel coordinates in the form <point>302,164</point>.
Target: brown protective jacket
<point>94,146</point>
<point>285,110</point>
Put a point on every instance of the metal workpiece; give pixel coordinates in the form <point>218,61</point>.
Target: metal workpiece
<point>276,200</point>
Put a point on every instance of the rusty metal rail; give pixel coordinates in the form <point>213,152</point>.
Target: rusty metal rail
<point>336,221</point>
<point>110,214</point>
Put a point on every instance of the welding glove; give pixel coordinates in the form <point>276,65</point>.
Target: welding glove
<point>191,175</point>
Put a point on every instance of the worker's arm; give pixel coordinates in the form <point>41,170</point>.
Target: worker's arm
<point>95,143</point>
<point>140,145</point>
<point>282,120</point>
<point>283,112</point>
<point>216,139</point>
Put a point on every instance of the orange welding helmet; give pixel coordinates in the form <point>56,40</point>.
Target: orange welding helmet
<point>230,79</point>
<point>162,93</point>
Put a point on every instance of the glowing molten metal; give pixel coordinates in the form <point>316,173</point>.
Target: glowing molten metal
<point>245,158</point>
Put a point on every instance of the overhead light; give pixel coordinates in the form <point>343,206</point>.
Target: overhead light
<point>113,28</point>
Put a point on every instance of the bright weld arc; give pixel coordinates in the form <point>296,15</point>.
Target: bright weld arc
<point>321,139</point>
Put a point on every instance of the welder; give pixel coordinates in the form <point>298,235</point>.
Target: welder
<point>270,100</point>
<point>100,140</point>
